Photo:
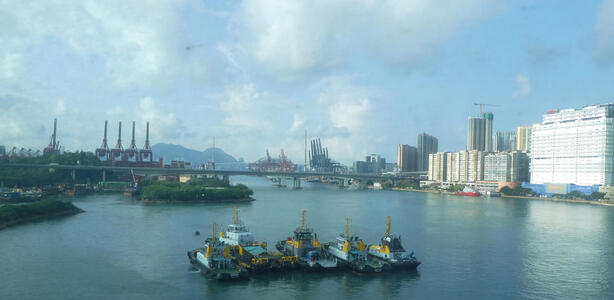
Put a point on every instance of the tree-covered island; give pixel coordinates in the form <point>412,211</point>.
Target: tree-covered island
<point>195,190</point>
<point>16,214</point>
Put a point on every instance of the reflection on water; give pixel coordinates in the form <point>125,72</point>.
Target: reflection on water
<point>495,248</point>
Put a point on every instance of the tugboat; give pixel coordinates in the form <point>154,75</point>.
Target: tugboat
<point>247,252</point>
<point>306,247</point>
<point>214,260</point>
<point>392,252</point>
<point>351,252</point>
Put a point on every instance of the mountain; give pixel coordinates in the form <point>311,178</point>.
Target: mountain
<point>177,152</point>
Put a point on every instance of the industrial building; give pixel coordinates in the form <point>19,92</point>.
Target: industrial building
<point>574,146</point>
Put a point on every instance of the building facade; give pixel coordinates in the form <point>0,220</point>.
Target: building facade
<point>497,167</point>
<point>523,138</point>
<point>479,133</point>
<point>427,144</point>
<point>505,141</point>
<point>574,146</point>
<point>407,158</point>
<point>437,167</point>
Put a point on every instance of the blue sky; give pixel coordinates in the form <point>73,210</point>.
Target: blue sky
<point>362,75</point>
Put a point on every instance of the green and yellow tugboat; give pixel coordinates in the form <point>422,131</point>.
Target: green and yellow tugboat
<point>214,260</point>
<point>304,245</point>
<point>351,252</point>
<point>392,252</point>
<point>249,253</point>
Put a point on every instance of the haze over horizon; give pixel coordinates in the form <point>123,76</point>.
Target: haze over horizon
<point>364,76</point>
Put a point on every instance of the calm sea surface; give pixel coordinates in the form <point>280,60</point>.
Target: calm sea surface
<point>471,248</point>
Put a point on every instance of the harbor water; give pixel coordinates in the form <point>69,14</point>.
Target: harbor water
<point>470,248</point>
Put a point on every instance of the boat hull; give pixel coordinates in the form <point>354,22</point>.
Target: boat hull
<point>469,194</point>
<point>216,274</point>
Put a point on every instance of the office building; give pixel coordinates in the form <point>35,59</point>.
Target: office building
<point>523,138</point>
<point>407,158</point>
<point>427,144</point>
<point>479,133</point>
<point>574,146</point>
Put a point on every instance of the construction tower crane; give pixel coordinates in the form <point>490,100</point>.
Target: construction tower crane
<point>482,105</point>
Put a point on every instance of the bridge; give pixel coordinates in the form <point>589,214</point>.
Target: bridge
<point>147,172</point>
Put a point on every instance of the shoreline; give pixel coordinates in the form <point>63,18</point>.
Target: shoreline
<point>41,217</point>
<point>604,203</point>
<point>241,200</point>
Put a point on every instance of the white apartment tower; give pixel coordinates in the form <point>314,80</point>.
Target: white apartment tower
<point>574,146</point>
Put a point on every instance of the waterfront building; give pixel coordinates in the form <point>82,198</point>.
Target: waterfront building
<point>520,167</point>
<point>574,146</point>
<point>407,158</point>
<point>505,141</point>
<point>427,144</point>
<point>497,167</point>
<point>437,166</point>
<point>2,151</point>
<point>479,133</point>
<point>523,138</point>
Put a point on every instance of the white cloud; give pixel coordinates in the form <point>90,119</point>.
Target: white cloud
<point>294,37</point>
<point>604,30</point>
<point>135,42</point>
<point>523,86</point>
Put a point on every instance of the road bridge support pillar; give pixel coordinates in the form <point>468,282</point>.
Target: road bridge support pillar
<point>226,179</point>
<point>73,174</point>
<point>104,175</point>
<point>296,183</point>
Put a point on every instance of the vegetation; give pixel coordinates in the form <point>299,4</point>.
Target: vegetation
<point>517,191</point>
<point>456,188</point>
<point>196,189</point>
<point>579,195</point>
<point>38,177</point>
<point>10,214</point>
<point>409,184</point>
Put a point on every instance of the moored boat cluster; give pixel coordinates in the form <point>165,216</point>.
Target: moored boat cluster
<point>234,253</point>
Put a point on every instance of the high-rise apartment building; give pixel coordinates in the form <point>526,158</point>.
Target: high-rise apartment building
<point>407,158</point>
<point>479,133</point>
<point>520,167</point>
<point>437,166</point>
<point>574,146</point>
<point>523,138</point>
<point>505,141</point>
<point>427,144</point>
<point>453,166</point>
<point>497,167</point>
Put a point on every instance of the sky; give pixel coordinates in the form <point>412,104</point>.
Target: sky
<point>362,75</point>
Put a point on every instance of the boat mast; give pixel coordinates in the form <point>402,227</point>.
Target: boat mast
<point>347,228</point>
<point>235,215</point>
<point>213,232</point>
<point>303,222</point>
<point>388,227</point>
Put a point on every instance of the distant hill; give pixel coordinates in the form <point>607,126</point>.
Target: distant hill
<point>177,152</point>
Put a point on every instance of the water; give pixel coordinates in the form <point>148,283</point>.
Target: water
<point>470,248</point>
